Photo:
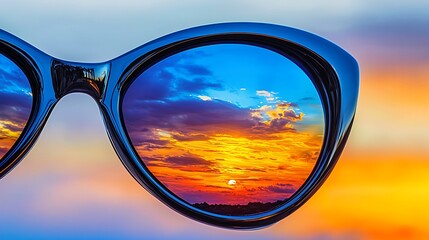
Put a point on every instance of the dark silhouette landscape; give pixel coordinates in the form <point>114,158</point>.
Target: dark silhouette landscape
<point>239,209</point>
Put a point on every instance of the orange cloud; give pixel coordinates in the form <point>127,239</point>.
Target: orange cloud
<point>9,133</point>
<point>266,168</point>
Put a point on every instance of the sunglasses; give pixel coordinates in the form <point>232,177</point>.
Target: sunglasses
<point>234,125</point>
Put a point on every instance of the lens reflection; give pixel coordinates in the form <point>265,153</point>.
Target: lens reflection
<point>233,129</point>
<point>15,103</point>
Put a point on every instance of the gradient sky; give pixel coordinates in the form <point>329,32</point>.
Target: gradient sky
<point>226,124</point>
<point>72,185</point>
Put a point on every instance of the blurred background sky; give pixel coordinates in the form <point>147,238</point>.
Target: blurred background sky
<point>72,185</point>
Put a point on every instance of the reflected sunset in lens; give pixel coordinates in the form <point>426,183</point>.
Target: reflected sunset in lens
<point>15,103</point>
<point>230,128</point>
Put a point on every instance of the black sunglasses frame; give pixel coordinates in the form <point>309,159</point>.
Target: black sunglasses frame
<point>333,72</point>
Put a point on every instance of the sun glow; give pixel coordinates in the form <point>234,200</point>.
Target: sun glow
<point>257,163</point>
<point>232,182</point>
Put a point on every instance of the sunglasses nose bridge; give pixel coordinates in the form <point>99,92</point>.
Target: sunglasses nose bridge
<point>69,77</point>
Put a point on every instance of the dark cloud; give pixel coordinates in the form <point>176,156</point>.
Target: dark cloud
<point>196,85</point>
<point>189,117</point>
<point>150,160</point>
<point>279,123</point>
<point>194,69</point>
<point>187,160</point>
<point>284,121</point>
<point>16,108</point>
<point>287,104</point>
<point>307,99</point>
<point>147,139</point>
<point>159,83</point>
<point>148,146</point>
<point>189,163</point>
<point>19,101</point>
<point>12,127</point>
<point>191,137</point>
<point>155,141</point>
<point>280,188</point>
<point>183,178</point>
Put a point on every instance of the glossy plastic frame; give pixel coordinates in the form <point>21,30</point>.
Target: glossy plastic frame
<point>333,71</point>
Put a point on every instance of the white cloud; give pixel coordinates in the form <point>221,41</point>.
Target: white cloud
<point>205,98</point>
<point>263,93</point>
<point>269,96</point>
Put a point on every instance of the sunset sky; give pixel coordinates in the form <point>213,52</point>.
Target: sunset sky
<point>15,103</point>
<point>209,115</point>
<point>72,185</point>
